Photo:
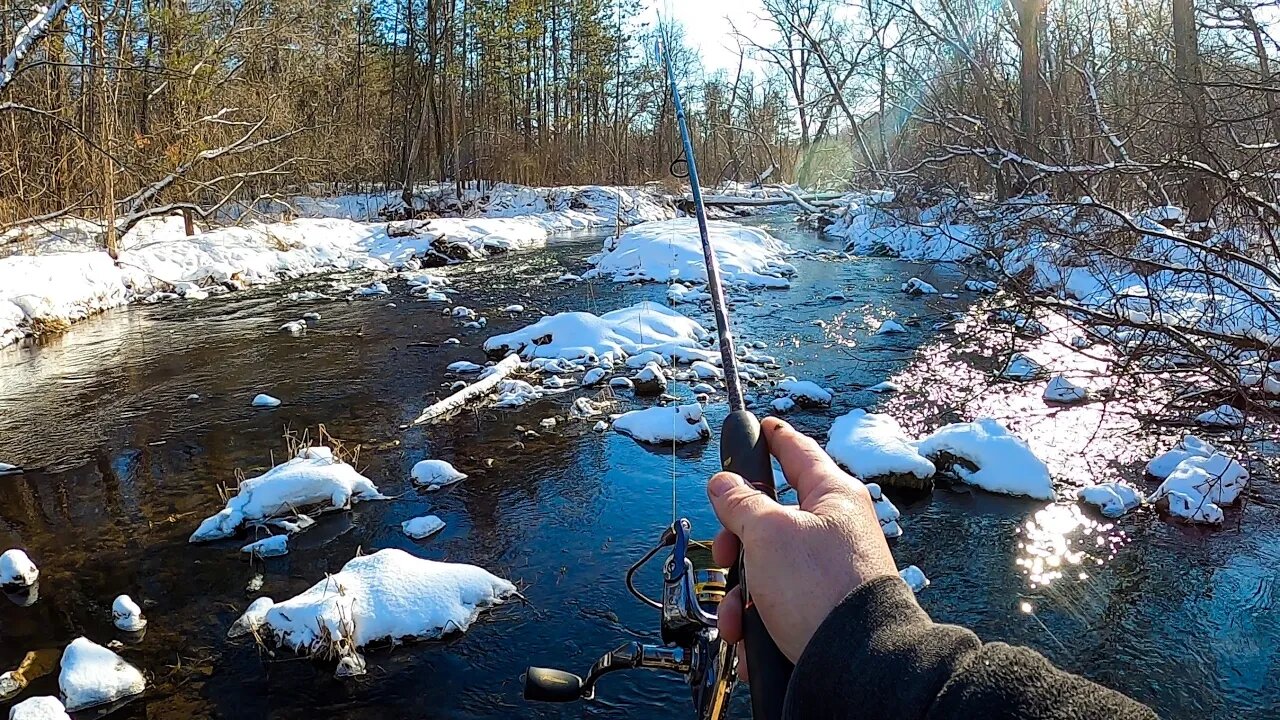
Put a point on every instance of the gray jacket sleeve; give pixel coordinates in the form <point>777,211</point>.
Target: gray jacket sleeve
<point>878,655</point>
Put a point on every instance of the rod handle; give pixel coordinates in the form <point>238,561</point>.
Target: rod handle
<point>744,450</point>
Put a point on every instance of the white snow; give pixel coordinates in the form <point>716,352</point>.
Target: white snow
<point>389,595</point>
<point>600,426</point>
<point>886,512</point>
<point>1005,463</point>
<point>1190,446</point>
<point>639,360</point>
<point>704,388</point>
<point>985,287</point>
<point>621,383</point>
<point>39,708</point>
<point>556,382</point>
<point>264,400</point>
<point>436,473</point>
<point>806,392</point>
<point>1022,368</point>
<point>464,366</point>
<point>783,405</point>
<point>374,289</point>
<point>594,376</point>
<point>1224,416</point>
<point>1061,390</point>
<point>1217,478</point>
<point>680,293</point>
<point>17,570</point>
<point>704,370</point>
<point>252,619</point>
<point>274,546</point>
<point>682,424</point>
<point>1114,499</point>
<point>914,578</point>
<point>615,335</point>
<point>295,328</point>
<point>1192,508</point>
<point>888,386</point>
<point>650,380</point>
<point>313,478</point>
<point>513,309</point>
<point>890,327</point>
<point>871,445</point>
<point>515,393</point>
<point>127,615</point>
<point>672,250</point>
<point>93,675</point>
<point>422,527</point>
<point>916,286</point>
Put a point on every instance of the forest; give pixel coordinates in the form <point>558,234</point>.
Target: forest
<point>117,109</point>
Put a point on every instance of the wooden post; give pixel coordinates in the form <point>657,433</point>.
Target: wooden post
<point>188,222</point>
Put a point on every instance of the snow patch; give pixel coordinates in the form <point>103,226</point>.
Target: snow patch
<point>93,675</point>
<point>681,424</point>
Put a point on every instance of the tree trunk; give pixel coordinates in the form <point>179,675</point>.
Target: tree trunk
<point>1187,71</point>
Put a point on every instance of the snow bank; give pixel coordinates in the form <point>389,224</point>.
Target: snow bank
<point>422,527</point>
<point>874,446</point>
<point>93,675</point>
<point>127,615</point>
<point>657,425</point>
<point>1004,463</point>
<point>314,478</point>
<point>436,473</point>
<point>39,708</point>
<point>614,336</point>
<point>1113,498</point>
<point>17,570</point>
<point>672,250</point>
<point>389,595</point>
<point>53,291</point>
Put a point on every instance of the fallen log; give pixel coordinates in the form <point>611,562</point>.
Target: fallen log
<point>478,389</point>
<point>739,201</point>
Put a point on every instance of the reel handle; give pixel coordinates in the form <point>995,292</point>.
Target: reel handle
<point>744,450</point>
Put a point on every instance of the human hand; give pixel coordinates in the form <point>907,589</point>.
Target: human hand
<point>801,561</point>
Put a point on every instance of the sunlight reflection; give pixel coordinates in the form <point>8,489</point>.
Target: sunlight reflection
<point>1059,539</point>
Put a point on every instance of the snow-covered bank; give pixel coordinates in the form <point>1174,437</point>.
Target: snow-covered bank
<point>69,277</point>
<point>389,595</point>
<point>672,250</point>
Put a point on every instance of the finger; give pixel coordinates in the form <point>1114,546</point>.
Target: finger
<point>730,616</point>
<point>725,549</point>
<point>743,675</point>
<point>742,509</point>
<point>803,461</point>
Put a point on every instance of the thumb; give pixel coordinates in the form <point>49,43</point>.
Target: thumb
<point>739,505</point>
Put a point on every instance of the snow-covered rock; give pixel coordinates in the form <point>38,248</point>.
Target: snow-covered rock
<point>888,386</point>
<point>650,380</point>
<point>985,287</point>
<point>916,286</point>
<point>703,388</point>
<point>1022,369</point>
<point>39,708</point>
<point>387,596</point>
<point>1224,416</point>
<point>1063,391</point>
<point>1114,499</point>
<point>600,426</point>
<point>704,370</point>
<point>680,293</point>
<point>464,366</point>
<point>806,393</point>
<point>594,376</point>
<point>436,473</point>
<point>990,457</point>
<point>672,250</point>
<point>17,570</point>
<point>1218,478</point>
<point>1193,508</point>
<point>914,578</point>
<point>516,393</point>
<point>295,328</point>
<point>264,400</point>
<point>93,675</point>
<point>874,447</point>
<point>886,512</point>
<point>616,335</point>
<point>374,289</point>
<point>890,327</point>
<point>274,546</point>
<point>658,425</point>
<point>555,382</point>
<point>1190,446</point>
<point>513,309</point>
<point>127,614</point>
<point>622,383</point>
<point>313,478</point>
<point>783,405</point>
<point>422,527</point>
<point>252,619</point>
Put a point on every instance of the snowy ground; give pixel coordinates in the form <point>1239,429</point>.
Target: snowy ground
<point>67,277</point>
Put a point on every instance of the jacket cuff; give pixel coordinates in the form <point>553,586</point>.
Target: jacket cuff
<point>879,652</point>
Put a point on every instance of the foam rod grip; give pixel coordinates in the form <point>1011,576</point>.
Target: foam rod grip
<point>743,450</point>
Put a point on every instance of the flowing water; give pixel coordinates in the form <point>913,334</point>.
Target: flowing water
<point>122,467</point>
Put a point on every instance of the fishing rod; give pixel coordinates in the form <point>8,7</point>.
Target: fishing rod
<point>691,643</point>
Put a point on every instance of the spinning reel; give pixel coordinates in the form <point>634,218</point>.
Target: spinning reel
<point>691,644</point>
